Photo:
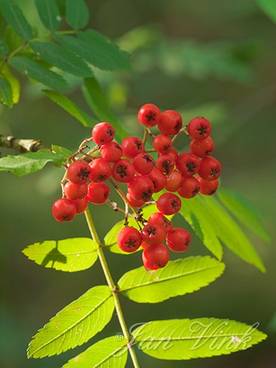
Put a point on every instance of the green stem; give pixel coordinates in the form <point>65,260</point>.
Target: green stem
<point>113,288</point>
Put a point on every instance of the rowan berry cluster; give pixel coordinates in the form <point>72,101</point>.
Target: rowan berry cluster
<point>137,172</point>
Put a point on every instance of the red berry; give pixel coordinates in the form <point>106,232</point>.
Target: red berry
<point>165,163</point>
<point>141,188</point>
<point>123,171</point>
<point>63,210</point>
<point>199,128</point>
<point>78,172</point>
<point>99,170</point>
<point>75,191</point>
<point>143,163</point>
<point>97,193</point>
<point>170,122</point>
<point>178,239</point>
<point>162,143</point>
<point>189,187</point>
<point>210,168</point>
<point>188,164</point>
<point>160,220</point>
<point>168,204</point>
<point>174,181</point>
<point>155,257</point>
<point>202,147</point>
<point>208,187</point>
<point>148,115</point>
<point>81,204</point>
<point>132,146</point>
<point>153,234</point>
<point>129,239</point>
<point>111,151</point>
<point>173,152</point>
<point>134,202</point>
<point>158,179</point>
<point>103,133</point>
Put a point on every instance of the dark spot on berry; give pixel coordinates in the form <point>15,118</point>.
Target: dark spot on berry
<point>131,243</point>
<point>214,172</point>
<point>121,170</point>
<point>174,203</point>
<point>138,144</point>
<point>151,230</point>
<point>146,195</point>
<point>110,132</point>
<point>151,116</point>
<point>167,166</point>
<point>191,166</point>
<point>195,191</point>
<point>202,129</point>
<point>83,174</point>
<point>147,158</point>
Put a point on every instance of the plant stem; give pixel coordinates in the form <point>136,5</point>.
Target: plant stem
<point>113,288</point>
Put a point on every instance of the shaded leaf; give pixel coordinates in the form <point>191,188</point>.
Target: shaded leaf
<point>107,353</point>
<point>75,324</point>
<point>5,92</point>
<point>49,13</point>
<point>268,7</point>
<point>70,255</point>
<point>77,13</point>
<point>195,338</point>
<point>179,277</point>
<point>4,50</point>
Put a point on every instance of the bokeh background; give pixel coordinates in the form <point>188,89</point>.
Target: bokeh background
<point>210,57</point>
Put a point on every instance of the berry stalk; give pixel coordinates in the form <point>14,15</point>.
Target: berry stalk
<point>112,286</point>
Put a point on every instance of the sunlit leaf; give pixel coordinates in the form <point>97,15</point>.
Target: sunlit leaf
<point>268,7</point>
<point>5,92</point>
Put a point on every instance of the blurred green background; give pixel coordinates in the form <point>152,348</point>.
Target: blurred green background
<point>210,57</point>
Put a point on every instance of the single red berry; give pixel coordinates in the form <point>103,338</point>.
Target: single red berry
<point>143,163</point>
<point>208,187</point>
<point>81,204</point>
<point>210,168</point>
<point>159,219</point>
<point>165,163</point>
<point>178,239</point>
<point>111,152</point>
<point>132,146</point>
<point>173,152</point>
<point>129,239</point>
<point>188,164</point>
<point>158,179</point>
<point>174,181</point>
<point>123,171</point>
<point>189,187</point>
<point>148,115</point>
<point>97,193</point>
<point>63,210</point>
<point>153,234</point>
<point>199,128</point>
<point>141,188</point>
<point>103,133</point>
<point>100,170</point>
<point>138,203</point>
<point>168,204</point>
<point>170,122</point>
<point>155,257</point>
<point>78,172</point>
<point>162,143</point>
<point>202,147</point>
<point>75,191</point>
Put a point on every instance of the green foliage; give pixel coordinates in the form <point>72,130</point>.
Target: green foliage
<point>179,277</point>
<point>195,338</point>
<point>268,7</point>
<point>13,82</point>
<point>5,92</point>
<point>75,324</point>
<point>69,255</point>
<point>14,16</point>
<point>108,353</point>
<point>30,162</point>
<point>49,13</point>
<point>77,13</point>
<point>69,106</point>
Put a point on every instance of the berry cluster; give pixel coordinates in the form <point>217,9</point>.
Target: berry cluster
<point>137,172</point>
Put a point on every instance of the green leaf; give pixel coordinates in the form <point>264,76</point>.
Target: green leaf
<point>268,7</point>
<point>14,84</point>
<point>14,17</point>
<point>5,92</point>
<point>75,324</point>
<point>49,13</point>
<point>179,277</point>
<point>69,255</point>
<point>4,50</point>
<point>100,107</point>
<point>69,106</point>
<point>39,73</point>
<point>62,58</point>
<point>30,162</point>
<point>195,338</point>
<point>107,353</point>
<point>77,13</point>
<point>244,211</point>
